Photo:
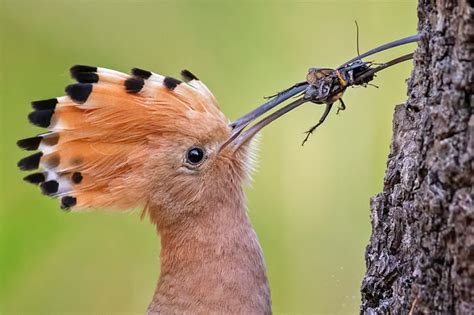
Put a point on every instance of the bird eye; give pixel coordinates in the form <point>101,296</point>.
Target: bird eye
<point>194,155</point>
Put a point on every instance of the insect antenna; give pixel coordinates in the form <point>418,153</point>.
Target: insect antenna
<point>357,37</point>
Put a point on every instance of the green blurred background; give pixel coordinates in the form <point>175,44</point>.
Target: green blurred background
<point>309,205</point>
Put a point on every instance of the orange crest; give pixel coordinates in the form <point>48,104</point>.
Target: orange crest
<point>104,135</point>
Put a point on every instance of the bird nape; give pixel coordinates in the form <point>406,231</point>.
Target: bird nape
<point>121,141</point>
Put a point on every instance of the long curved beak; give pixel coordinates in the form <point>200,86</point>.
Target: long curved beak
<point>238,136</point>
<point>241,134</point>
<point>396,43</point>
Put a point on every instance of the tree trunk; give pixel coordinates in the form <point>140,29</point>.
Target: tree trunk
<point>420,259</point>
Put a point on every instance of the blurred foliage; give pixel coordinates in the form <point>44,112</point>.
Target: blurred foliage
<point>309,205</point>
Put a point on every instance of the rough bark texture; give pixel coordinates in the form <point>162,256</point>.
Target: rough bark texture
<point>420,259</point>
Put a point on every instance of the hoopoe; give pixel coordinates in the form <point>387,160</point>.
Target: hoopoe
<point>148,141</point>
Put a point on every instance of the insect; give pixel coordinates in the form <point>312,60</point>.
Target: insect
<point>323,86</point>
<point>327,86</point>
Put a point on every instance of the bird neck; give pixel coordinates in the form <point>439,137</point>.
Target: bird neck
<point>212,262</point>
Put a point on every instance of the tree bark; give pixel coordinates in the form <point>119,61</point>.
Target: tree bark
<point>420,259</point>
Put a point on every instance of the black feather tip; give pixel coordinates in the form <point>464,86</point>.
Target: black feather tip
<point>75,70</point>
<point>41,118</point>
<point>134,85</point>
<point>188,75</point>
<point>79,92</point>
<point>144,74</point>
<point>68,202</point>
<point>45,104</point>
<point>35,178</point>
<point>29,144</point>
<point>30,162</point>
<point>171,83</point>
<point>87,77</point>
<point>50,187</point>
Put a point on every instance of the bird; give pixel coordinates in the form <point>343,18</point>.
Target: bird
<point>143,140</point>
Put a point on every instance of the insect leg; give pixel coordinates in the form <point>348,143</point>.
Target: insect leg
<point>341,106</point>
<point>321,120</point>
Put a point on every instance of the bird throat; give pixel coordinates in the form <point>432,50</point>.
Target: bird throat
<point>212,263</point>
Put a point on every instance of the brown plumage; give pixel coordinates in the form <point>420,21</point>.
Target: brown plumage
<point>146,141</point>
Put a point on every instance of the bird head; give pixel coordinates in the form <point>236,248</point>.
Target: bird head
<point>144,140</point>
